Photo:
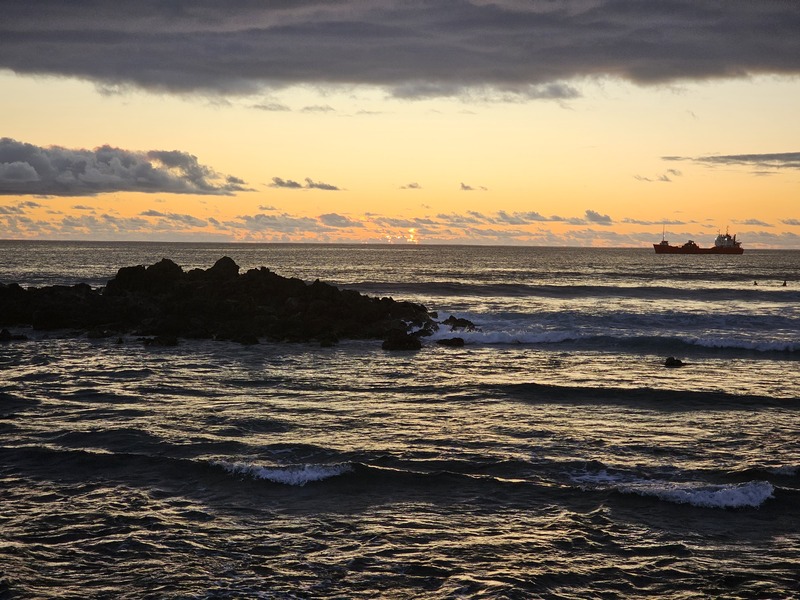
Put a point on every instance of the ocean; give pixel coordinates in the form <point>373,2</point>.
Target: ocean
<point>553,456</point>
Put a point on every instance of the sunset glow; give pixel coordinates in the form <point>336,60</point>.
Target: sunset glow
<point>588,147</point>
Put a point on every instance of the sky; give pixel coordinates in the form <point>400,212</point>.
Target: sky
<point>526,122</point>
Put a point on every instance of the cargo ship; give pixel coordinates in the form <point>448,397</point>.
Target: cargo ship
<point>724,244</point>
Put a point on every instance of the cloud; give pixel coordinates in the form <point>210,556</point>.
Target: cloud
<point>334,220</point>
<point>318,109</point>
<point>755,222</point>
<point>282,223</point>
<point>665,177</point>
<point>175,219</point>
<point>411,186</point>
<point>597,218</point>
<point>277,182</point>
<point>318,185</point>
<point>469,188</point>
<point>416,49</point>
<point>768,162</point>
<point>310,184</point>
<point>795,222</point>
<point>11,210</point>
<point>26,169</point>
<point>522,218</point>
<point>272,107</point>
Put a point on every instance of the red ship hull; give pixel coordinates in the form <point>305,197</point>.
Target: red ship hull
<point>667,249</point>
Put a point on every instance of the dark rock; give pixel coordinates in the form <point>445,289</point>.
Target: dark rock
<point>673,362</point>
<point>217,303</point>
<point>455,342</point>
<point>400,340</point>
<point>161,341</point>
<point>224,269</point>
<point>7,336</point>
<point>328,341</point>
<point>456,323</point>
<point>246,339</point>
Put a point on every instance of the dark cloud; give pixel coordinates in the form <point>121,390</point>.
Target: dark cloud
<point>175,219</point>
<point>411,186</point>
<point>318,185</point>
<point>318,109</point>
<point>769,162</point>
<point>277,182</point>
<point>795,222</point>
<point>417,49</point>
<point>310,184</point>
<point>468,188</point>
<point>597,218</point>
<point>755,222</point>
<point>272,107</point>
<point>334,220</point>
<point>26,169</point>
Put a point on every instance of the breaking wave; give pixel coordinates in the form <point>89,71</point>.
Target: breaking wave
<point>297,475</point>
<point>741,495</point>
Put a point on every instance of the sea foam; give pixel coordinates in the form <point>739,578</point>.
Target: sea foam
<point>741,495</point>
<point>298,475</point>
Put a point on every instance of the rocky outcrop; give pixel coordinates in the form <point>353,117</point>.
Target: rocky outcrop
<point>165,302</point>
<point>458,323</point>
<point>455,342</point>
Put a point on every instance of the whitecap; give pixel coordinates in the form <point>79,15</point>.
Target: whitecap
<point>298,475</point>
<point>738,344</point>
<point>742,495</point>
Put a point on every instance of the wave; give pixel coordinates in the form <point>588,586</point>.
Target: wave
<point>734,344</point>
<point>567,291</point>
<point>675,343</point>
<point>750,494</point>
<point>297,475</point>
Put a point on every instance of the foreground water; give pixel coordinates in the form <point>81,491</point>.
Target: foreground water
<point>553,456</point>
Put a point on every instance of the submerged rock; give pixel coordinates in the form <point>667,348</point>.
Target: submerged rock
<point>455,342</point>
<point>400,340</point>
<point>7,336</point>
<point>456,323</point>
<point>673,362</point>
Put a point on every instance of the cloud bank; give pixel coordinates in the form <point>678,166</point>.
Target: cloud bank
<point>28,219</point>
<point>762,162</point>
<point>290,184</point>
<point>26,169</point>
<point>414,48</point>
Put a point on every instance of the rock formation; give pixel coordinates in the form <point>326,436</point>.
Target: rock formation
<point>164,301</point>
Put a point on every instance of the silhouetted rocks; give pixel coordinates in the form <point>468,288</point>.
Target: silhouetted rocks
<point>7,336</point>
<point>456,342</point>
<point>163,302</point>
<point>673,362</point>
<point>400,340</point>
<point>163,341</point>
<point>456,323</point>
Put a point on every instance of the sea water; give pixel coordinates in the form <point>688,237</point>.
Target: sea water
<point>553,456</point>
